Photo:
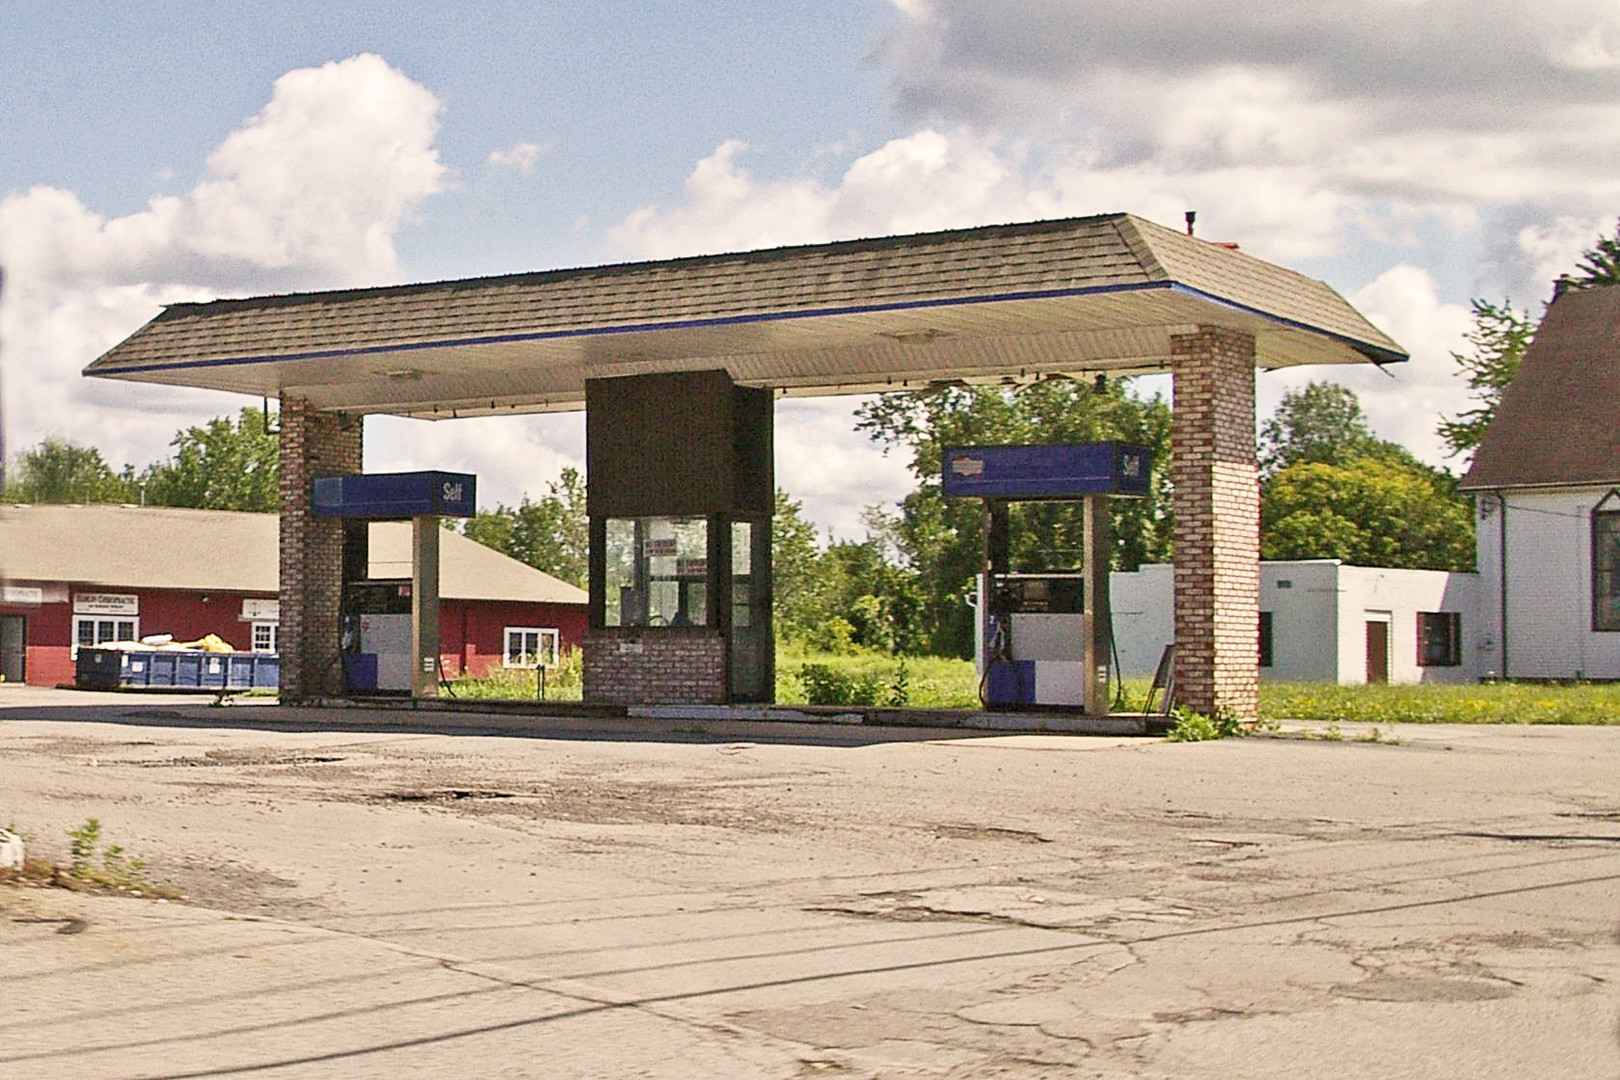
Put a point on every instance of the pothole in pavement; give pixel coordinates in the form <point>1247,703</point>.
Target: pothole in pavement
<point>986,832</point>
<point>238,759</point>
<point>443,795</point>
<point>590,803</point>
<point>1409,988</point>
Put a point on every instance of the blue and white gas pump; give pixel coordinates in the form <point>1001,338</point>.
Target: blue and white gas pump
<point>390,629</point>
<point>1044,638</point>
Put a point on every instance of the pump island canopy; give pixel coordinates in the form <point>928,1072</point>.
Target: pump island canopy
<point>1073,297</point>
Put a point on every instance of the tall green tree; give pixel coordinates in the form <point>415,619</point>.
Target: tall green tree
<point>795,581</point>
<point>1367,512</point>
<point>1497,341</point>
<point>225,464</point>
<point>1322,422</point>
<point>1496,344</point>
<point>551,533</point>
<point>60,471</point>
<point>941,540</point>
<point>1599,264</point>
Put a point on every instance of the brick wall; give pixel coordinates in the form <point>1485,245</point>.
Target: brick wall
<point>312,444</point>
<point>1217,522</point>
<point>667,666</point>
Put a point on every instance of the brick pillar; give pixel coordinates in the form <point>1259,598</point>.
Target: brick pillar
<point>1217,522</point>
<point>312,444</point>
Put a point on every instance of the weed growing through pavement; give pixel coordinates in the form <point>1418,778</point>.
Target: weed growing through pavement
<point>1193,726</point>
<point>109,867</point>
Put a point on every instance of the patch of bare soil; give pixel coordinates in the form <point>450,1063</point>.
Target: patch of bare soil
<point>584,801</point>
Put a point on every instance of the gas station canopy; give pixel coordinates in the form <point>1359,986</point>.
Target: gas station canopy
<point>1072,297</point>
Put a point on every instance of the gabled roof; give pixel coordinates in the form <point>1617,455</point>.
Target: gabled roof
<point>1558,422</point>
<point>134,547</point>
<point>1074,295</point>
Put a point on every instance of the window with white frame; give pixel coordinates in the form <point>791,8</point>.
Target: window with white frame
<point>266,637</point>
<point>530,646</point>
<point>92,630</point>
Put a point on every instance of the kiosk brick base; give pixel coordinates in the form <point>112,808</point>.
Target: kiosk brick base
<point>672,667</point>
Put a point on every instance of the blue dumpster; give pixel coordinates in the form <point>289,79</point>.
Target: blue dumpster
<point>173,669</point>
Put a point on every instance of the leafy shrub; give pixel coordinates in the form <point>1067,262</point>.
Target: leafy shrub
<point>825,686</point>
<point>835,635</point>
<point>928,682</point>
<point>116,869</point>
<point>900,686</point>
<point>1197,727</point>
<point>564,681</point>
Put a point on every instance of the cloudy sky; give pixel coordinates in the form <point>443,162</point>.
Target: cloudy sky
<point>1412,153</point>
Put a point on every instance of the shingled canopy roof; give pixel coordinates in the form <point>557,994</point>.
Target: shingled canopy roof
<point>1074,296</point>
<point>1556,424</point>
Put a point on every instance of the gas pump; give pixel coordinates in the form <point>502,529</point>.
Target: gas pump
<point>377,635</point>
<point>389,628</point>
<point>1044,638</point>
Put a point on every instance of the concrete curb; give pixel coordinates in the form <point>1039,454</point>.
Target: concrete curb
<point>866,716</point>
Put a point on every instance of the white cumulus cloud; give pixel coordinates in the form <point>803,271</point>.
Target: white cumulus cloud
<point>1403,402</point>
<point>929,180</point>
<point>309,193</point>
<point>1345,113</point>
<point>521,156</point>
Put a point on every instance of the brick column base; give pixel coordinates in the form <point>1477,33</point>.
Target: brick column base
<point>312,444</point>
<point>1216,506</point>
<point>665,665</point>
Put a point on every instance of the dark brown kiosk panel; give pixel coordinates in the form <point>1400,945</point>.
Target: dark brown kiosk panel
<point>680,498</point>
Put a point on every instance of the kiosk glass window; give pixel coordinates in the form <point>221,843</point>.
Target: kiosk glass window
<point>656,571</point>
<point>750,612</point>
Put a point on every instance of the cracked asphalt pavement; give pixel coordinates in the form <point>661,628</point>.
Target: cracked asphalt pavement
<point>405,895</point>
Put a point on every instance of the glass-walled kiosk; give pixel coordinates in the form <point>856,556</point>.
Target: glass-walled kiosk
<point>681,494</point>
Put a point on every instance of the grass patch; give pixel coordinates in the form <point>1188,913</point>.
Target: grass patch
<point>1484,703</point>
<point>865,677</point>
<point>564,682</point>
<point>810,677</point>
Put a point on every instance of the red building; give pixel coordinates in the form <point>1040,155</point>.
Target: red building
<point>84,575</point>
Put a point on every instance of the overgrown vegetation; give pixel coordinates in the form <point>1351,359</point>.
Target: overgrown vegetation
<point>106,866</point>
<point>1192,726</point>
<point>563,682</point>
<point>1486,703</point>
<point>811,677</point>
<point>91,865</point>
<point>807,676</point>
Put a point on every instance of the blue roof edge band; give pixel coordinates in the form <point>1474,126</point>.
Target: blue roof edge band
<point>1374,353</point>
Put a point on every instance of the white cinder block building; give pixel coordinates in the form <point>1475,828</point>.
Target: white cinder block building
<point>1323,621</point>
<point>1546,482</point>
